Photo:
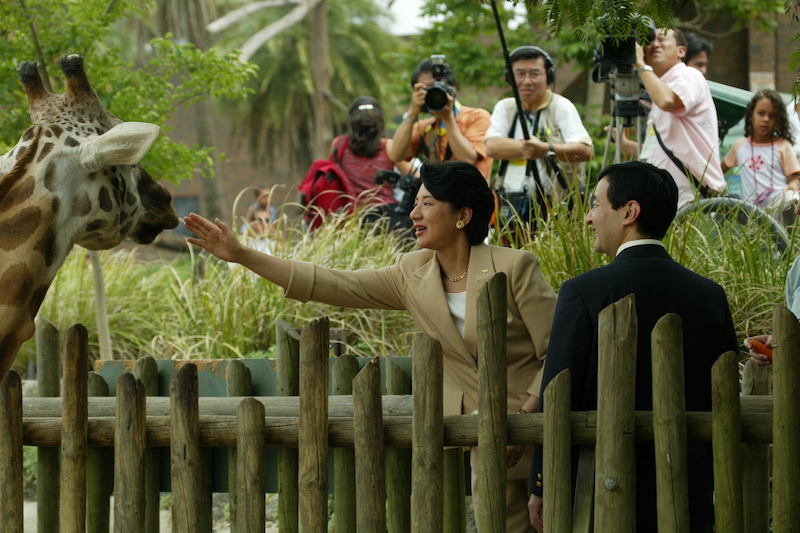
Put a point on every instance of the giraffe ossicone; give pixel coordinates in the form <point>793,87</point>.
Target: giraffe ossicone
<point>73,178</point>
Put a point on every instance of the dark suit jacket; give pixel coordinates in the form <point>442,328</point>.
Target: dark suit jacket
<point>661,286</point>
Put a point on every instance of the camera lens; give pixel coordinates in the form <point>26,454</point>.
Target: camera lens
<point>436,98</point>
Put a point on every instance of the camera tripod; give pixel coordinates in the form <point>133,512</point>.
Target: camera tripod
<point>628,111</point>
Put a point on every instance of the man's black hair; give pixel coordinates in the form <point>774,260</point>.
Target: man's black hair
<point>696,44</point>
<point>652,187</point>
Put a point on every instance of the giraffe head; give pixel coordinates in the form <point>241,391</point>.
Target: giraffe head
<point>73,178</point>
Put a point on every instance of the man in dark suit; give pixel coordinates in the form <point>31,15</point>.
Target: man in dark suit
<point>633,206</point>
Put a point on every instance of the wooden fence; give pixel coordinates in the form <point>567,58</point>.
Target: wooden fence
<point>389,450</point>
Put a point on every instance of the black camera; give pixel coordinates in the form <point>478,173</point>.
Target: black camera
<point>406,183</point>
<point>615,51</point>
<point>436,95</point>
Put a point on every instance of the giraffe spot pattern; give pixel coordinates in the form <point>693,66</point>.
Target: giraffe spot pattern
<point>48,246</point>
<point>21,151</point>
<point>71,142</point>
<point>27,135</point>
<point>17,283</point>
<point>57,130</point>
<point>83,205</point>
<point>20,192</point>
<point>105,199</point>
<point>97,224</point>
<point>50,178</point>
<point>37,298</point>
<point>18,229</point>
<point>46,149</point>
<point>55,204</point>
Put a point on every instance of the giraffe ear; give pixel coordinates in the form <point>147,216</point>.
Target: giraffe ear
<point>124,144</point>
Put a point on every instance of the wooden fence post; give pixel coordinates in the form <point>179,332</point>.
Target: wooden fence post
<point>48,469</point>
<point>726,429</point>
<point>368,444</point>
<point>130,444</point>
<point>313,430</point>
<point>615,479</point>
<point>185,456</point>
<point>755,458</point>
<point>669,424</point>
<point>398,461</point>
<point>11,505</point>
<point>74,430</point>
<point>287,342</point>
<point>238,383</point>
<point>557,455</point>
<point>786,433</point>
<point>344,370</point>
<point>251,466</point>
<point>99,467</point>
<point>146,371</point>
<point>492,311</point>
<point>427,435</point>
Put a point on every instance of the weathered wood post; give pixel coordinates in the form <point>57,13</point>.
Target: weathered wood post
<point>454,491</point>
<point>726,429</point>
<point>48,384</point>
<point>615,469</point>
<point>492,311</point>
<point>146,371</point>
<point>398,461</point>
<point>74,430</point>
<point>755,458</point>
<point>99,466</point>
<point>130,444</point>
<point>238,382</point>
<point>368,444</point>
<point>251,477</point>
<point>313,431</point>
<point>287,343</point>
<point>344,370</point>
<point>427,437</point>
<point>11,505</point>
<point>557,455</point>
<point>185,456</point>
<point>669,424</point>
<point>786,433</point>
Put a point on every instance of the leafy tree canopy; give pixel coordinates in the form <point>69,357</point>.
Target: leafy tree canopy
<point>174,75</point>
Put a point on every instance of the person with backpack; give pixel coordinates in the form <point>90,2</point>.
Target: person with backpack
<point>349,175</point>
<point>545,167</point>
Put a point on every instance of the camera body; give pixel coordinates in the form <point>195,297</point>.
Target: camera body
<point>615,53</point>
<point>436,96</point>
<point>406,183</point>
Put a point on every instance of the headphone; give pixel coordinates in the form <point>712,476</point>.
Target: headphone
<point>550,67</point>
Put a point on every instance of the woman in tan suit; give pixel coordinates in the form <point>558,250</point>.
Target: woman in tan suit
<point>438,285</point>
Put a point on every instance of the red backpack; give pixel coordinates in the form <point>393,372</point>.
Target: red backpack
<point>326,188</point>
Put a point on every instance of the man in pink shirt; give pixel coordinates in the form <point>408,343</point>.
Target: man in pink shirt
<point>682,135</point>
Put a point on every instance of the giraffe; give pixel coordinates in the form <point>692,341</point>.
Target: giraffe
<point>73,178</point>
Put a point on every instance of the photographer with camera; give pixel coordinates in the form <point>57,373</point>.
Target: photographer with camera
<point>454,131</point>
<point>682,133</point>
<point>551,160</point>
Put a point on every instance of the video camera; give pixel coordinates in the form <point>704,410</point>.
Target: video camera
<point>436,95</point>
<point>406,183</point>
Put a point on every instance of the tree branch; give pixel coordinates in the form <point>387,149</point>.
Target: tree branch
<point>235,16</point>
<point>293,17</point>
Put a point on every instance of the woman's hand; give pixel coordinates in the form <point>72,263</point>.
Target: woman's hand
<point>513,455</point>
<point>759,358</point>
<point>216,238</point>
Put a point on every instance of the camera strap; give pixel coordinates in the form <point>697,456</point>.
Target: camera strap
<point>705,192</point>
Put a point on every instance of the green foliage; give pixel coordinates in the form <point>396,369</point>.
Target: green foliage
<point>173,76</point>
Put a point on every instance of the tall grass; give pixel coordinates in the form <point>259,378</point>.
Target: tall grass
<point>199,307</point>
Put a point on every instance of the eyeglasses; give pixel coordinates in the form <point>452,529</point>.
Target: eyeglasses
<point>533,74</point>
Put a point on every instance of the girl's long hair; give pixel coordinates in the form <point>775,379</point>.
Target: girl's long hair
<point>782,129</point>
<point>366,126</point>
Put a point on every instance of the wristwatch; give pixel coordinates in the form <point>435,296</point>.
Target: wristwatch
<point>408,119</point>
<point>646,68</point>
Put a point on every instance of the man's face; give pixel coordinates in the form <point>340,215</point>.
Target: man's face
<point>663,52</point>
<point>531,78</point>
<point>700,62</point>
<point>426,79</point>
<point>606,221</point>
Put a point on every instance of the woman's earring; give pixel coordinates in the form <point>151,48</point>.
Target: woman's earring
<point>460,224</point>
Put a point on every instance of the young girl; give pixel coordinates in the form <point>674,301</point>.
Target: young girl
<point>768,168</point>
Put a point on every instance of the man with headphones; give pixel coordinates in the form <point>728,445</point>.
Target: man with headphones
<point>546,165</point>
<point>453,132</point>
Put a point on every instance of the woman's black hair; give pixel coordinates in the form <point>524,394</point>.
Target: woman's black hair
<point>367,126</point>
<point>462,185</point>
<point>782,129</point>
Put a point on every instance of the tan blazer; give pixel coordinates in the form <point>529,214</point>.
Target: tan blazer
<point>414,283</point>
